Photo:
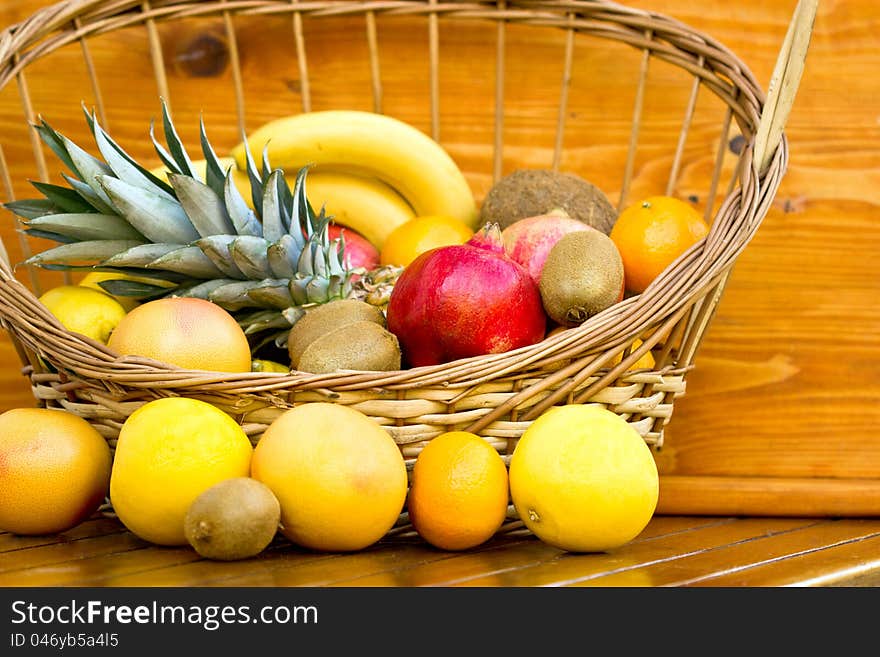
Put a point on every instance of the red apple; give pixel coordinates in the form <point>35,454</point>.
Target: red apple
<point>529,240</point>
<point>358,249</point>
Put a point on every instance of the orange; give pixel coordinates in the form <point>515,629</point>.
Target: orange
<point>339,476</point>
<point>412,238</point>
<point>54,470</point>
<point>582,479</point>
<point>169,452</point>
<point>651,234</point>
<point>187,332</point>
<point>459,492</point>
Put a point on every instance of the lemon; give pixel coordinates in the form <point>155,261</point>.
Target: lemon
<point>263,365</point>
<point>95,278</point>
<point>170,451</point>
<point>423,233</point>
<point>583,480</point>
<point>84,310</point>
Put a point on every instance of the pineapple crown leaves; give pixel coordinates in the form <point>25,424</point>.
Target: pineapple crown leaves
<point>196,232</point>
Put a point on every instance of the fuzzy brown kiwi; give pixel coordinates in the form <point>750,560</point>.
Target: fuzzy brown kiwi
<point>327,317</point>
<point>531,192</point>
<point>583,275</point>
<point>360,345</point>
<point>234,519</point>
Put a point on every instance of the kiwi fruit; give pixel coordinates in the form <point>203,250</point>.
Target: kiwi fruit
<point>583,275</point>
<point>234,519</point>
<point>530,192</point>
<point>320,320</point>
<point>360,345</point>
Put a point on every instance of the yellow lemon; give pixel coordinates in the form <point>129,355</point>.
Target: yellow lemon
<point>84,310</point>
<point>339,476</point>
<point>95,278</point>
<point>263,365</point>
<point>169,451</point>
<point>646,361</point>
<point>583,480</point>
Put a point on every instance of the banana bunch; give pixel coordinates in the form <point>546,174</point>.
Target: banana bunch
<point>370,171</point>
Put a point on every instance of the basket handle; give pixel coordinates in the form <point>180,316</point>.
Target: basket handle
<point>784,83</point>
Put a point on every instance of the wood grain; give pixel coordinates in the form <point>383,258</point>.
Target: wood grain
<point>785,384</point>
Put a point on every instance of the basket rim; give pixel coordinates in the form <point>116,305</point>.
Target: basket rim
<point>691,276</point>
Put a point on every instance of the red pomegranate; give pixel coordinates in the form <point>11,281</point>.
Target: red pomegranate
<point>465,300</point>
<point>529,240</point>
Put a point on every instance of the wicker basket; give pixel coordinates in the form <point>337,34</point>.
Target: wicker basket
<point>487,52</point>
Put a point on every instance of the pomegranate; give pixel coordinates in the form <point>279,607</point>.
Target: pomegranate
<point>465,300</point>
<point>359,250</point>
<point>528,241</point>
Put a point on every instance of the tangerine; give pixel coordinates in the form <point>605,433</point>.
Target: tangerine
<point>459,493</point>
<point>412,238</point>
<point>651,234</point>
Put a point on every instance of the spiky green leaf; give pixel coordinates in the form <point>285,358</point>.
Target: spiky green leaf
<point>234,296</point>
<point>206,210</point>
<point>215,177</point>
<point>189,260</point>
<point>273,222</point>
<point>64,198</point>
<point>175,145</point>
<point>89,226</point>
<point>250,255</point>
<point>31,208</point>
<point>255,179</point>
<point>156,217</point>
<point>47,235</point>
<point>138,257</point>
<point>125,288</point>
<point>243,218</point>
<point>126,168</point>
<point>217,248</point>
<point>88,195</point>
<point>89,168</point>
<point>283,257</point>
<point>90,252</point>
<point>53,140</point>
<point>272,293</point>
<point>162,152</point>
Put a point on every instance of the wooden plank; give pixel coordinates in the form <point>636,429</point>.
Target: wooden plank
<point>732,563</point>
<point>564,568</point>
<point>99,570</point>
<point>498,566</point>
<point>769,496</point>
<point>852,562</point>
<point>99,526</point>
<point>60,554</point>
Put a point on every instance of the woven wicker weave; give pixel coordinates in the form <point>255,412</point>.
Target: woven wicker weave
<point>496,396</point>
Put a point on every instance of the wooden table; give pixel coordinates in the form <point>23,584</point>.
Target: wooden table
<point>672,551</point>
<point>781,413</point>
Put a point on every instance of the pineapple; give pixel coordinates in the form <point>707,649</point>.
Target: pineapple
<point>266,266</point>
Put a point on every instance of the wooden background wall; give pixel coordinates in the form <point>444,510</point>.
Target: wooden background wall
<point>783,409</point>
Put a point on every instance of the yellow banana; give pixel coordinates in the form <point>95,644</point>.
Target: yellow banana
<point>366,205</point>
<point>373,145</point>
